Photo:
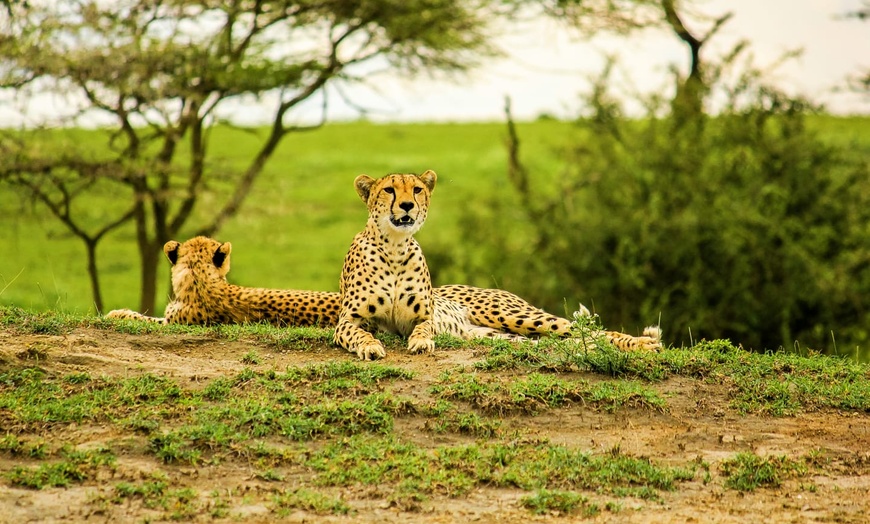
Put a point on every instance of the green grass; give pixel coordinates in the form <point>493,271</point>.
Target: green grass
<point>317,433</point>
<point>748,471</point>
<point>298,221</point>
<point>301,215</point>
<point>774,383</point>
<point>545,501</point>
<point>453,420</point>
<point>309,500</point>
<point>75,467</point>
<point>538,391</point>
<point>225,413</point>
<point>455,470</point>
<point>176,504</point>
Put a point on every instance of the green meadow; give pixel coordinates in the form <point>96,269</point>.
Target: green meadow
<point>299,220</point>
<point>303,212</point>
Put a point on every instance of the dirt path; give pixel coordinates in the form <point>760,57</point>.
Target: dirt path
<point>698,426</point>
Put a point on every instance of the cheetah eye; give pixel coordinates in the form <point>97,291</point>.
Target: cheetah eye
<point>417,190</point>
<point>389,190</point>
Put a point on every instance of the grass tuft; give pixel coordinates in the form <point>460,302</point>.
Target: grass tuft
<point>76,467</point>
<point>545,501</point>
<point>748,471</point>
<point>309,500</point>
<point>542,391</point>
<point>454,470</point>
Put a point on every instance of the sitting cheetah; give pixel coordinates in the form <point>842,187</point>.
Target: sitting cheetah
<point>203,295</point>
<point>385,283</point>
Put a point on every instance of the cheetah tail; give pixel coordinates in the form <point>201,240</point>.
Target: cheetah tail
<point>653,332</point>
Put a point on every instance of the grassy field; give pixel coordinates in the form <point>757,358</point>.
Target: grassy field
<point>294,229</point>
<point>299,220</point>
<point>144,423</point>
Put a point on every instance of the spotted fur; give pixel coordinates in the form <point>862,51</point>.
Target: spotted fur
<point>203,296</point>
<point>385,283</point>
<point>506,312</point>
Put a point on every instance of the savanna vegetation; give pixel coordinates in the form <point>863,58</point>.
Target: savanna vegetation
<point>731,209</point>
<point>731,212</point>
<point>140,422</point>
<point>304,213</point>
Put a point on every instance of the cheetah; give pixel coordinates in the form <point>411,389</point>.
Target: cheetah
<point>203,296</point>
<point>507,313</point>
<point>385,283</point>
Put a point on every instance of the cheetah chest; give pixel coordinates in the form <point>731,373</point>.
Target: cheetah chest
<point>396,293</point>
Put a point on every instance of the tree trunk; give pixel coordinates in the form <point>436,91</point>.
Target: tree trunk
<point>688,103</point>
<point>148,283</point>
<point>93,274</point>
<point>147,255</point>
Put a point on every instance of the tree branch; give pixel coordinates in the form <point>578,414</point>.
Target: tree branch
<point>275,136</point>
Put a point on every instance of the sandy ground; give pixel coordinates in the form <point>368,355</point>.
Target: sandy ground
<point>698,425</point>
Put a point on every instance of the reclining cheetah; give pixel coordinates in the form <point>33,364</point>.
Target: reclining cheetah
<point>203,295</point>
<point>385,283</point>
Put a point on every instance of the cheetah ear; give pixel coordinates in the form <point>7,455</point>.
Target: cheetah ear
<point>429,178</point>
<point>171,250</point>
<point>363,184</point>
<point>222,254</point>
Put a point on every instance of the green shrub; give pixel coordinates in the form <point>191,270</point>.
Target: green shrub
<point>748,225</point>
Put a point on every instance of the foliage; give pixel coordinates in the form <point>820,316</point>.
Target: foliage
<point>307,185</point>
<point>748,225</point>
<point>159,75</point>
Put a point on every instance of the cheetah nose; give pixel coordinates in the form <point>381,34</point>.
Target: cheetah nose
<point>406,206</point>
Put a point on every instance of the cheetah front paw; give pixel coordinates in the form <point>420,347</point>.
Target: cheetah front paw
<point>371,351</point>
<point>421,345</point>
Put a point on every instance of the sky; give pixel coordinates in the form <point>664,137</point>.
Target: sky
<point>545,66</point>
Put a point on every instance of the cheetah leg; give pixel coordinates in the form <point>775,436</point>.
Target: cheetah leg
<point>357,340</point>
<point>129,314</point>
<point>421,338</point>
<point>503,311</point>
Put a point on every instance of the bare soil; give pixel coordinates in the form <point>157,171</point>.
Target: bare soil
<point>698,424</point>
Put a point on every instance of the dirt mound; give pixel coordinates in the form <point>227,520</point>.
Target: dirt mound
<point>698,428</point>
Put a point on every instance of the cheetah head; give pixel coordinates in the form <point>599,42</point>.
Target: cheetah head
<point>198,260</point>
<point>397,203</point>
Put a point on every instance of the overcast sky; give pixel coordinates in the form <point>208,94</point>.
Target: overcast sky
<point>545,66</point>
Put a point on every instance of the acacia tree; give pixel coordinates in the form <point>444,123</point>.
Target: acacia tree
<point>162,69</point>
